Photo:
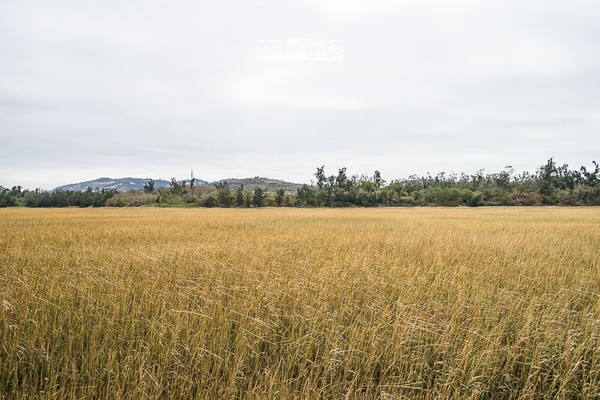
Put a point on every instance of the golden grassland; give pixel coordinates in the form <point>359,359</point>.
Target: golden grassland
<point>300,303</point>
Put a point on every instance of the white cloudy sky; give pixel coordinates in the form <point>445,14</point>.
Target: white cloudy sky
<point>155,88</point>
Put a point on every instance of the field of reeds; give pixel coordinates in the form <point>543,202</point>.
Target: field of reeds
<point>300,303</point>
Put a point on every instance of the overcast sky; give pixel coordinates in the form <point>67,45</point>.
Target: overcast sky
<point>156,88</point>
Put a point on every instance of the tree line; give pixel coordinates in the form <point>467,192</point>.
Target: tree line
<point>17,196</point>
<point>551,184</point>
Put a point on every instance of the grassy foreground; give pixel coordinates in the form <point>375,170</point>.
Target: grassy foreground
<point>300,303</point>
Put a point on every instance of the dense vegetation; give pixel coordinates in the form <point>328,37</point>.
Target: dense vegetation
<point>298,303</point>
<point>58,198</point>
<point>550,185</point>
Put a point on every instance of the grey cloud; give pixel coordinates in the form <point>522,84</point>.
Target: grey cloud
<point>154,89</point>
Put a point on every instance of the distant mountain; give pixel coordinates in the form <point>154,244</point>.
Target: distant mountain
<point>125,184</point>
<point>122,184</point>
<point>271,185</point>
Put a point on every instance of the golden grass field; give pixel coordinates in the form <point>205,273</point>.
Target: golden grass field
<point>300,303</point>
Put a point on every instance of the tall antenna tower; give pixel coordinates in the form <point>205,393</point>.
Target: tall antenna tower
<point>192,174</point>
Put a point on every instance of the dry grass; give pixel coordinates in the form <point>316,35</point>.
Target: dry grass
<point>295,303</point>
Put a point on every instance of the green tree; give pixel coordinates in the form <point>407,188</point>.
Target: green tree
<point>279,197</point>
<point>258,197</point>
<point>547,178</point>
<point>591,178</point>
<point>321,178</point>
<point>149,186</point>
<point>210,202</point>
<point>239,197</point>
<point>341,179</point>
<point>177,187</point>
<point>223,194</point>
<point>377,180</point>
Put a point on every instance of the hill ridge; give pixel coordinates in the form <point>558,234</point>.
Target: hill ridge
<point>130,183</point>
<point>120,184</point>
